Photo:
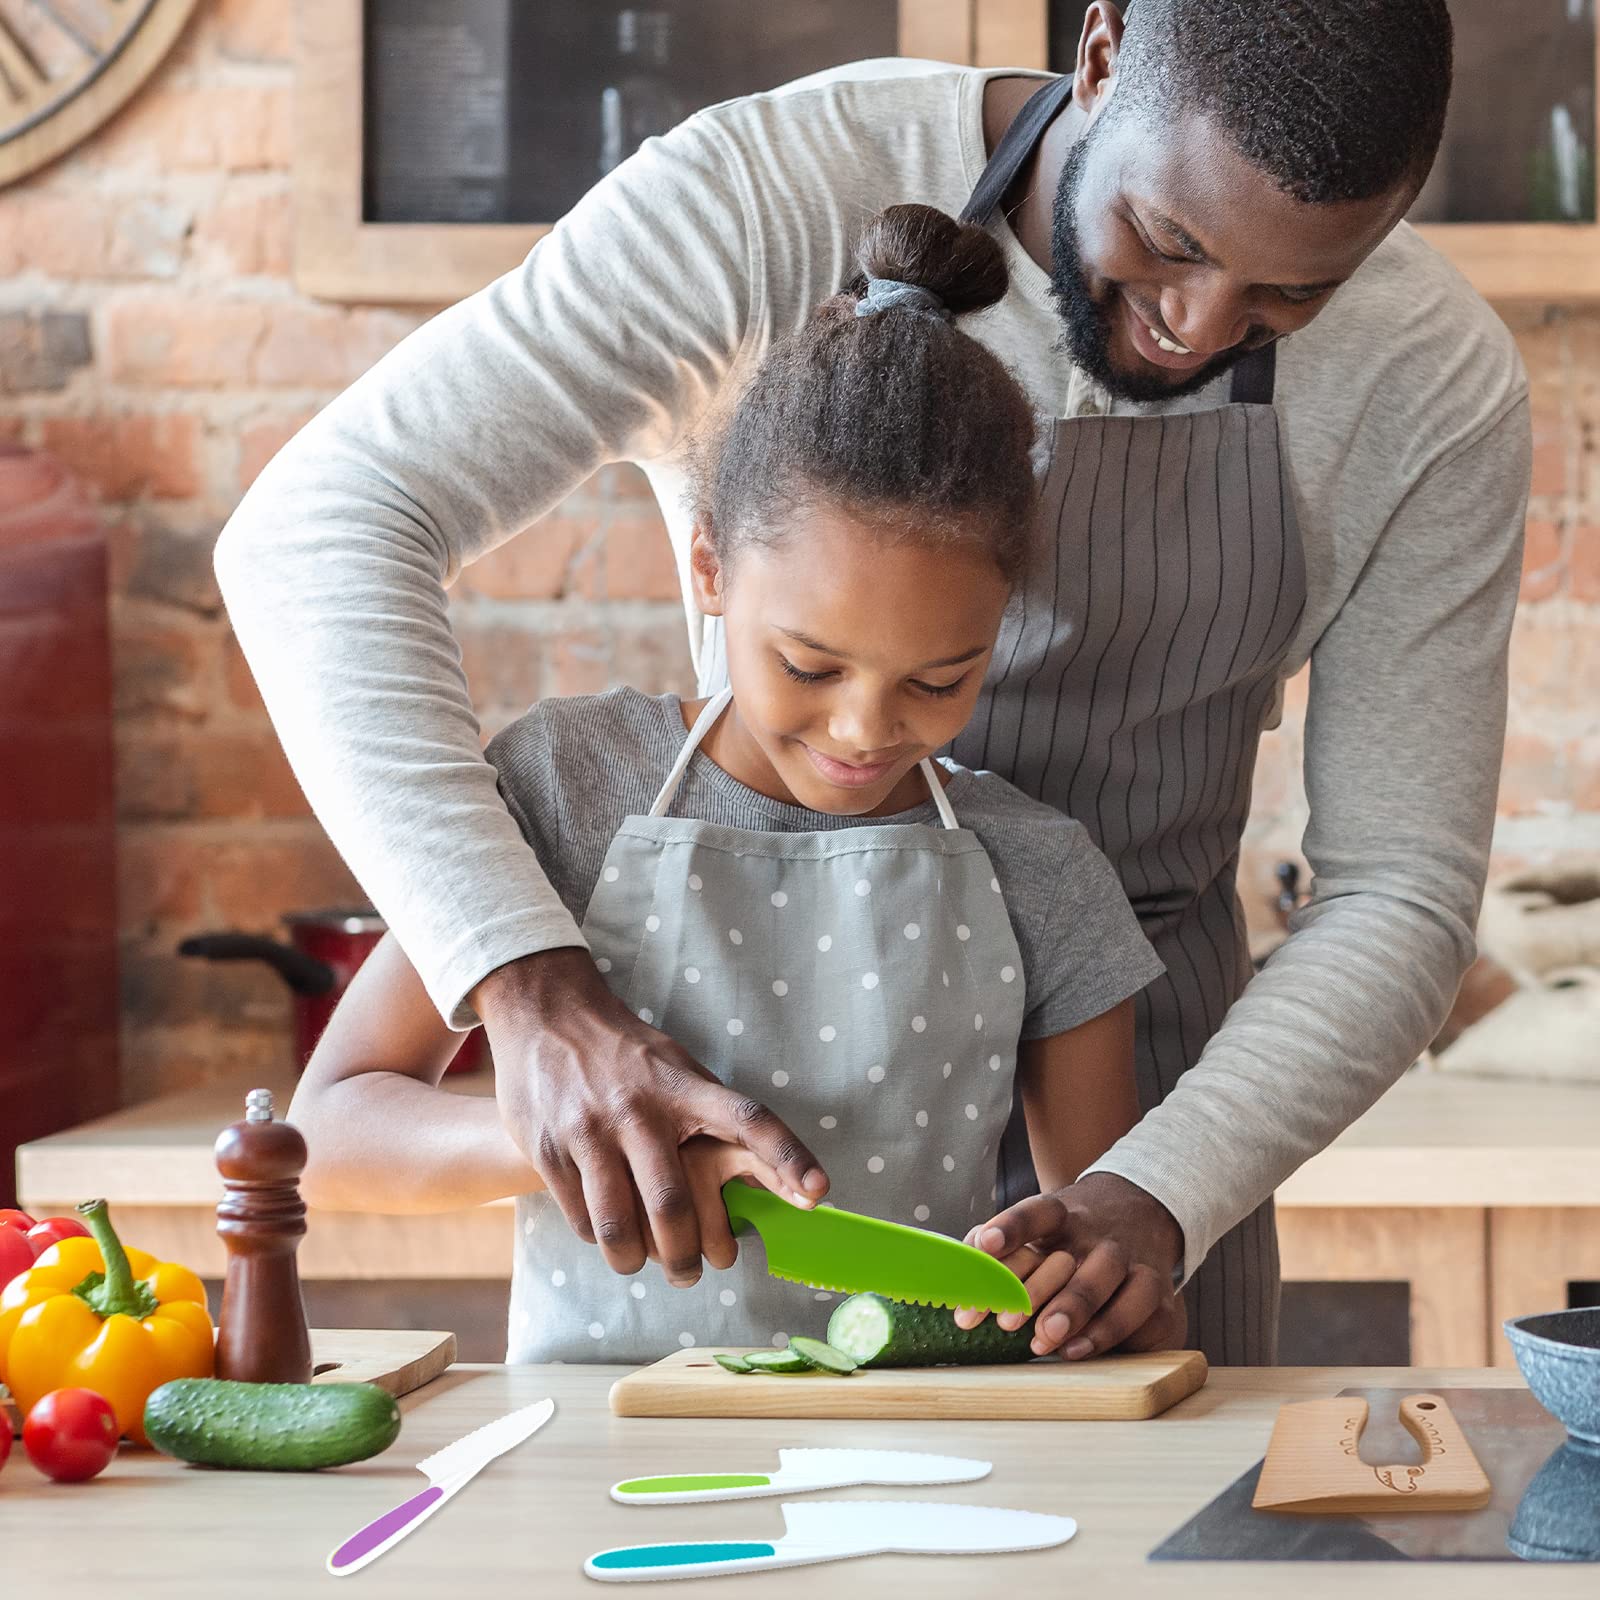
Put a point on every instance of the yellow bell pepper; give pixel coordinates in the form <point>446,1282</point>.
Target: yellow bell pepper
<point>90,1314</point>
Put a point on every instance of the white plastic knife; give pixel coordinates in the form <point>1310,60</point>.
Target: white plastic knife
<point>448,1470</point>
<point>799,1471</point>
<point>830,1530</point>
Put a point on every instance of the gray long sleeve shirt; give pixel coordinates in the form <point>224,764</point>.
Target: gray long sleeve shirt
<point>1403,407</point>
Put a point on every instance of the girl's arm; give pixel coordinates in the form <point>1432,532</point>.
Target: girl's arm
<point>381,1135</point>
<point>1079,1098</point>
<point>1078,1094</point>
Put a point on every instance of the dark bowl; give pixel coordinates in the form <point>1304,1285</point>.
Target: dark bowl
<point>1559,1354</point>
<point>1559,1517</point>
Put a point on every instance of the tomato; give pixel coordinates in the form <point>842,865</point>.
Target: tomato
<point>16,1254</point>
<point>52,1230</point>
<point>71,1434</point>
<point>15,1219</point>
<point>5,1438</point>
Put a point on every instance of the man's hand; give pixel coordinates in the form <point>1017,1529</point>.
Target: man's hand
<point>599,1102</point>
<point>1097,1257</point>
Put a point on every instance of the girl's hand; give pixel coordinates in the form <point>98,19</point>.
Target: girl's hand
<point>1046,1273</point>
<point>708,1164</point>
<point>1097,1279</point>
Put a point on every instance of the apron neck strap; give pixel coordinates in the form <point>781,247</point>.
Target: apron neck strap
<point>1016,145</point>
<point>1255,377</point>
<point>713,708</point>
<point>941,801</point>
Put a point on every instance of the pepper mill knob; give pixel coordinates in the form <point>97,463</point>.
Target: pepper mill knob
<point>262,1335</point>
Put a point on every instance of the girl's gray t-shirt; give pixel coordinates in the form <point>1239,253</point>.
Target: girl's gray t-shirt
<point>572,769</point>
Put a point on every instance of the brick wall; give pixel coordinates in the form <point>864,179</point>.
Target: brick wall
<point>150,337</point>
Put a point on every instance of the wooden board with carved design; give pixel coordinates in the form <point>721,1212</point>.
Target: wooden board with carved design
<point>1314,1464</point>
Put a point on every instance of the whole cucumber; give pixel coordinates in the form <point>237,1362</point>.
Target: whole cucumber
<point>879,1332</point>
<point>270,1427</point>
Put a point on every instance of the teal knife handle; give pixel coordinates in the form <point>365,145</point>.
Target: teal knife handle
<point>631,1563</point>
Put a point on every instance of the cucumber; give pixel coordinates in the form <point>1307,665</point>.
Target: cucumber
<point>270,1427</point>
<point>875,1331</point>
<point>780,1361</point>
<point>732,1363</point>
<point>822,1356</point>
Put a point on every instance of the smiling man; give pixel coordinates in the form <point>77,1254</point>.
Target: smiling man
<point>1278,428</point>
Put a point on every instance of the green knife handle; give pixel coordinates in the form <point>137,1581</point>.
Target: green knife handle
<point>691,1486</point>
<point>746,1203</point>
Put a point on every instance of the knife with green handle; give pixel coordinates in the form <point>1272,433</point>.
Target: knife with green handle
<point>800,1471</point>
<point>850,1254</point>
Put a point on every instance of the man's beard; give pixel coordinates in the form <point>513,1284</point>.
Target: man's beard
<point>1086,324</point>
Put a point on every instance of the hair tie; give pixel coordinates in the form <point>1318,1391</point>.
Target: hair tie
<point>887,294</point>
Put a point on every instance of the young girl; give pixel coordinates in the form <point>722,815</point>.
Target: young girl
<point>781,879</point>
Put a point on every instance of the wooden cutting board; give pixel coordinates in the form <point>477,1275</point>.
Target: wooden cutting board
<point>689,1383</point>
<point>397,1359</point>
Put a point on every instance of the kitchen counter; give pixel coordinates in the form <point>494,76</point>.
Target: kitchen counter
<point>1481,1194</point>
<point>527,1523</point>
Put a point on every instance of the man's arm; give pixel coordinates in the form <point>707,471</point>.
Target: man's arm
<point>610,341</point>
<point>1404,732</point>
<point>606,344</point>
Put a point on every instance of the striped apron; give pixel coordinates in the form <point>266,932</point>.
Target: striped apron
<point>1133,676</point>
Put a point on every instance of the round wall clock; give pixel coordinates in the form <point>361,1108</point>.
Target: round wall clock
<point>67,65</point>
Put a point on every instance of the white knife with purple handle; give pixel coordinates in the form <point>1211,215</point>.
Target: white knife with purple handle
<point>448,1470</point>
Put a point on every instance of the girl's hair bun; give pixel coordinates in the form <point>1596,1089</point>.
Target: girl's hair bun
<point>958,261</point>
<point>899,416</point>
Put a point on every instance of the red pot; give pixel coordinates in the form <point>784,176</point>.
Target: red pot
<point>325,948</point>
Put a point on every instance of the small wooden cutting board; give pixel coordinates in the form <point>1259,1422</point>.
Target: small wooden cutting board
<point>396,1359</point>
<point>1128,1388</point>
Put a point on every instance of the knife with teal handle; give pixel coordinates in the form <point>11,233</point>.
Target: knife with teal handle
<point>850,1254</point>
<point>799,1471</point>
<point>831,1530</point>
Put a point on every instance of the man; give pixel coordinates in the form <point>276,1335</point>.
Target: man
<point>1286,429</point>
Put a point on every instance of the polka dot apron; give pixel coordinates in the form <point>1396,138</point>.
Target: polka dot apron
<point>865,983</point>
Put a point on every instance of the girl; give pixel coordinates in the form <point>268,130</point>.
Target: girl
<point>780,878</point>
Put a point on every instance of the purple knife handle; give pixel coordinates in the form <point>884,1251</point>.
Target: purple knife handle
<point>384,1527</point>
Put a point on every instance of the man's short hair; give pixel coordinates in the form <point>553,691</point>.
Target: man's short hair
<point>1333,99</point>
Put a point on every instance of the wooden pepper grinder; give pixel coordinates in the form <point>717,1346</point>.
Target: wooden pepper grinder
<point>262,1335</point>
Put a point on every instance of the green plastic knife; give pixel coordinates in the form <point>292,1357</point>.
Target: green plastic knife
<point>839,1250</point>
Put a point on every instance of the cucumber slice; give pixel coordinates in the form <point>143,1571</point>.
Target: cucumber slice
<point>781,1361</point>
<point>875,1331</point>
<point>822,1356</point>
<point>732,1363</point>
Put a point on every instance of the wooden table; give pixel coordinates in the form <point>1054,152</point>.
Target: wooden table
<point>1483,1195</point>
<point>524,1527</point>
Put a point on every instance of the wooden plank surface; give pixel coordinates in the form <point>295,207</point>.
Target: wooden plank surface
<point>525,1524</point>
<point>689,1383</point>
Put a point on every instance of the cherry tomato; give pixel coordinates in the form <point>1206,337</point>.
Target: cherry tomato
<point>16,1253</point>
<point>71,1434</point>
<point>16,1219</point>
<point>53,1229</point>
